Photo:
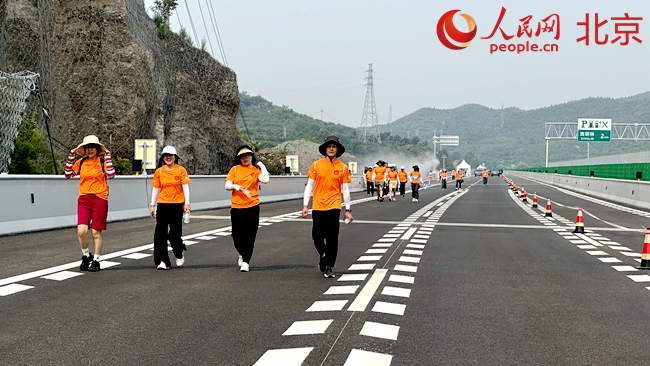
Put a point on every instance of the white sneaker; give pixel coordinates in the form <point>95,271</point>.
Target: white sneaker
<point>162,265</point>
<point>240,261</point>
<point>180,261</point>
<point>244,267</point>
<point>413,200</point>
<point>417,200</point>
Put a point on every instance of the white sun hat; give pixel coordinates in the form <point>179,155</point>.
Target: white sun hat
<point>91,139</point>
<point>169,150</point>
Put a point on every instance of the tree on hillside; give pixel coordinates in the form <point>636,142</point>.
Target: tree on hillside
<point>32,154</point>
<point>162,10</point>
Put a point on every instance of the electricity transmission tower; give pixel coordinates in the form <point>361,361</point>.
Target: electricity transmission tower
<point>390,113</point>
<point>369,120</point>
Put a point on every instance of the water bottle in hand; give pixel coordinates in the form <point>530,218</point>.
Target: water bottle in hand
<point>347,221</point>
<point>186,217</point>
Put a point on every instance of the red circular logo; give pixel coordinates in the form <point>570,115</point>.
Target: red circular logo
<point>252,174</point>
<point>177,178</point>
<point>97,166</point>
<point>336,172</point>
<point>446,25</point>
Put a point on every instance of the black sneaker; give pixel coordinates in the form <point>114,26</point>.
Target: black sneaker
<point>322,268</point>
<point>94,266</point>
<point>328,273</point>
<point>85,262</point>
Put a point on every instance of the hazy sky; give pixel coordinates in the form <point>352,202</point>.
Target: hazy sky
<point>312,55</point>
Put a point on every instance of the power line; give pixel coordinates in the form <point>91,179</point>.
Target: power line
<point>216,26</point>
<point>206,28</point>
<point>213,19</point>
<point>196,38</point>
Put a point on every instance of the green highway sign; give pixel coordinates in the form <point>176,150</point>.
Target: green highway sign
<point>594,129</point>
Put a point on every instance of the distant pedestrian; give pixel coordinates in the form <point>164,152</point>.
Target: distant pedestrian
<point>459,179</point>
<point>402,180</point>
<point>415,178</point>
<point>430,177</point>
<point>370,185</point>
<point>242,180</point>
<point>392,183</point>
<point>443,177</point>
<point>328,179</point>
<point>379,177</point>
<point>171,192</point>
<point>485,175</point>
<point>93,169</point>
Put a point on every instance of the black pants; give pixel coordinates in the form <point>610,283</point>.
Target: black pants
<point>402,188</point>
<point>415,187</point>
<point>370,188</point>
<point>245,222</point>
<point>458,183</point>
<point>325,233</point>
<point>484,180</point>
<point>168,216</point>
<point>443,184</point>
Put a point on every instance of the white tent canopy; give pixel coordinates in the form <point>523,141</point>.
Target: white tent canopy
<point>463,166</point>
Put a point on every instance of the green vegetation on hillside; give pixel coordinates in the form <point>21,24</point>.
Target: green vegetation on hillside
<point>517,136</point>
<point>267,122</point>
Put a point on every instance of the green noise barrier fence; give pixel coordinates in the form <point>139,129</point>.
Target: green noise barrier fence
<point>634,171</point>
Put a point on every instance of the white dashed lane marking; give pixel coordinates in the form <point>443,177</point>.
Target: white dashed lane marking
<point>379,330</point>
<point>63,275</point>
<point>327,305</point>
<point>285,357</point>
<point>365,358</point>
<point>13,288</point>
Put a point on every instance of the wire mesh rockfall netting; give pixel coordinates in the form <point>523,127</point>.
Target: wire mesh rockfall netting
<point>107,70</point>
<point>14,91</point>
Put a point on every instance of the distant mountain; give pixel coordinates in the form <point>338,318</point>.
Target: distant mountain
<point>514,135</point>
<point>267,124</point>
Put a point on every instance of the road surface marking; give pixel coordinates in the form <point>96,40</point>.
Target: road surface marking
<point>396,291</point>
<point>378,330</point>
<point>13,288</point>
<point>327,305</point>
<point>609,260</point>
<point>625,268</point>
<point>365,295</point>
<point>639,278</point>
<point>376,251</point>
<point>136,256</point>
<point>341,290</point>
<point>408,259</point>
<point>308,327</point>
<point>412,252</point>
<point>403,268</point>
<point>408,233</point>
<point>369,258</point>
<point>361,267</point>
<point>416,246</point>
<point>389,308</point>
<point>365,358</point>
<point>353,277</point>
<point>63,275</point>
<point>284,357</point>
<point>401,279</point>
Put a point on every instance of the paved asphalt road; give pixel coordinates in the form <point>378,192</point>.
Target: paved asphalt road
<point>460,278</point>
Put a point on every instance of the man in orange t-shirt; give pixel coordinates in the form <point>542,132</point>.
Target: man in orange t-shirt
<point>328,179</point>
<point>443,179</point>
<point>370,185</point>
<point>485,174</point>
<point>402,180</point>
<point>379,177</point>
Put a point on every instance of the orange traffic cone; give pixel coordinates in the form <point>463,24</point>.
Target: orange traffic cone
<point>523,195</point>
<point>645,257</point>
<point>580,225</point>
<point>548,209</point>
<point>535,200</point>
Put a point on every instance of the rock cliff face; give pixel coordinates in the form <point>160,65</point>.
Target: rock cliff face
<point>105,71</point>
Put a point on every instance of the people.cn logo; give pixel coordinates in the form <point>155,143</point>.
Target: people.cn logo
<point>447,30</point>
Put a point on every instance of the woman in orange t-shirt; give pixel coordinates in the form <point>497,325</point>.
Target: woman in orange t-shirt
<point>171,191</point>
<point>415,178</point>
<point>392,183</point>
<point>92,206</point>
<point>242,180</point>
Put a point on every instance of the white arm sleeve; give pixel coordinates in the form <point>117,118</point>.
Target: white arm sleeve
<point>373,176</point>
<point>410,179</point>
<point>232,186</point>
<point>308,191</point>
<point>346,195</point>
<point>264,177</point>
<point>155,192</point>
<point>186,193</point>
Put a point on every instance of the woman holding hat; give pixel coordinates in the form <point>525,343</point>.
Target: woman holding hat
<point>328,179</point>
<point>243,179</point>
<point>92,206</point>
<point>379,177</point>
<point>171,191</point>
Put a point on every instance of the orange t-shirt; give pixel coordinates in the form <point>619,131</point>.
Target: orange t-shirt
<point>369,176</point>
<point>415,177</point>
<point>430,176</point>
<point>170,183</point>
<point>459,175</point>
<point>247,177</point>
<point>91,178</point>
<point>329,177</point>
<point>392,175</point>
<point>443,175</point>
<point>379,173</point>
<point>485,173</point>
<point>402,176</point>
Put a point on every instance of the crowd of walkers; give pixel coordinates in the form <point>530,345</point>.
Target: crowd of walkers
<point>327,185</point>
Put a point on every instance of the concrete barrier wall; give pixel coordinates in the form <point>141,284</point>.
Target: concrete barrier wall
<point>39,202</point>
<point>630,193</point>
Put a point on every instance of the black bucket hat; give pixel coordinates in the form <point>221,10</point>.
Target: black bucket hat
<point>332,140</point>
<point>380,162</point>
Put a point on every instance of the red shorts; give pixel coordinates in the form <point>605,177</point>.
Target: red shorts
<point>92,208</point>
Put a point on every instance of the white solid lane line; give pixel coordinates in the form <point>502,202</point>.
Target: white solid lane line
<point>368,291</point>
